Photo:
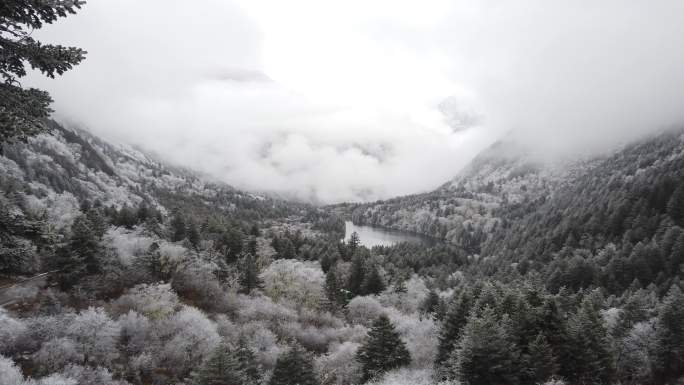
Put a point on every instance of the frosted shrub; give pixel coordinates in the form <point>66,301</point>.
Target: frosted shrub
<point>10,373</point>
<point>127,244</point>
<point>420,335</point>
<point>263,308</point>
<point>95,336</point>
<point>11,330</point>
<point>56,354</point>
<point>296,281</point>
<point>136,333</point>
<point>197,281</point>
<point>264,342</point>
<point>409,377</point>
<point>57,379</point>
<point>42,329</point>
<point>91,376</point>
<point>339,366</point>
<point>190,336</point>
<point>364,310</point>
<point>408,301</point>
<point>154,301</point>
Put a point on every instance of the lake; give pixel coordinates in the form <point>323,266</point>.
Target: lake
<point>380,236</point>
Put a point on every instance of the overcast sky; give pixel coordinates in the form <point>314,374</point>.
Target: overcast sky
<point>358,100</point>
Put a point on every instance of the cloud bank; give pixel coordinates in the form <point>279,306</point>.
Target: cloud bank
<point>351,100</point>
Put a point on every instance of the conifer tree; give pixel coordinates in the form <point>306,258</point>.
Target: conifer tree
<point>382,350</point>
<point>450,331</point>
<point>193,235</point>
<point>431,303</point>
<point>486,354</point>
<point>249,276</point>
<point>294,367</point>
<point>676,258</point>
<point>85,243</point>
<point>333,291</point>
<point>675,206</point>
<point>80,256</point>
<point>150,262</point>
<point>373,283</point>
<point>589,356</point>
<point>223,367</point>
<point>23,111</point>
<point>247,362</point>
<point>670,336</point>
<point>540,361</point>
<point>357,275</point>
<point>178,230</point>
<point>353,243</point>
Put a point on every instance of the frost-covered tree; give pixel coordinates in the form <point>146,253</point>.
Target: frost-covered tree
<point>189,338</point>
<point>10,330</point>
<point>56,354</point>
<point>382,350</point>
<point>95,335</point>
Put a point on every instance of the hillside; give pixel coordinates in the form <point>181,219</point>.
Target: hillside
<point>569,270</point>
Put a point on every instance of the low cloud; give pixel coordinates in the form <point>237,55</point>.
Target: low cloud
<point>355,102</point>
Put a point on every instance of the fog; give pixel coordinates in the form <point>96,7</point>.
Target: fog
<point>351,100</point>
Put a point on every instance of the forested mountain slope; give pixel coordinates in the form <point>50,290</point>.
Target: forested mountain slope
<point>616,221</point>
<point>46,182</point>
<point>466,210</point>
<point>506,182</point>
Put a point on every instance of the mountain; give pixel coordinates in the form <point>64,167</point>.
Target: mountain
<point>51,179</point>
<point>503,183</point>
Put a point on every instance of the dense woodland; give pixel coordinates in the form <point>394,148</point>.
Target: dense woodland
<point>563,273</point>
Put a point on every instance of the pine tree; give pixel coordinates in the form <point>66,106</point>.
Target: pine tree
<point>178,230</point>
<point>540,361</point>
<point>431,303</point>
<point>670,336</point>
<point>97,220</point>
<point>676,258</point>
<point>24,111</point>
<point>193,235</point>
<point>486,354</point>
<point>294,368</point>
<point>223,367</point>
<point>589,359</point>
<point>373,282</point>
<point>254,231</point>
<point>249,276</point>
<point>675,206</point>
<point>150,262</point>
<point>80,256</point>
<point>85,243</point>
<point>357,275</point>
<point>354,242</point>
<point>382,350</point>
<point>332,289</point>
<point>450,331</point>
<point>247,362</point>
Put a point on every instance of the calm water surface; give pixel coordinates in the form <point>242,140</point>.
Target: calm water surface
<point>379,236</point>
